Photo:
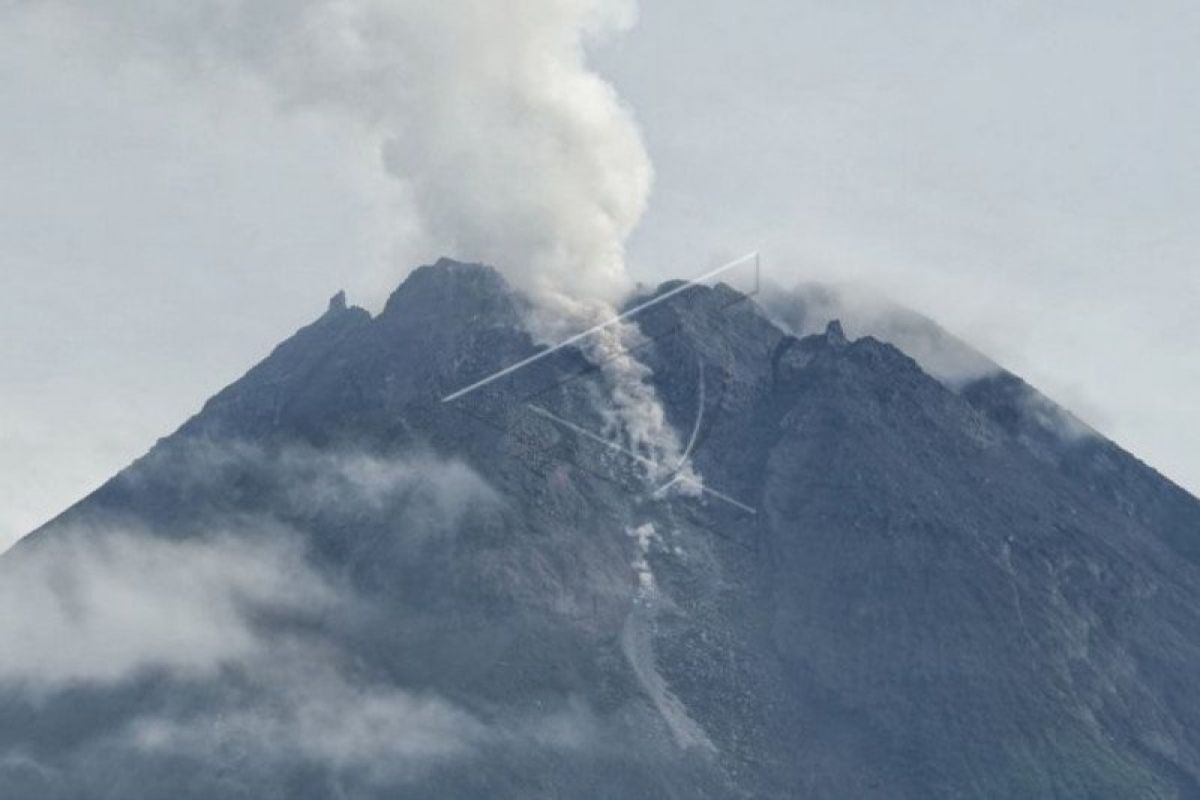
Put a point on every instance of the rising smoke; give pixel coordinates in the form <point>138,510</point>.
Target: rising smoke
<point>513,152</point>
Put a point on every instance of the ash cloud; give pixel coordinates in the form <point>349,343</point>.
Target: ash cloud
<point>511,148</point>
<point>630,406</point>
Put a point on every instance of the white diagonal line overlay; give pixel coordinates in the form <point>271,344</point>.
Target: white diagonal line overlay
<point>610,444</point>
<point>580,336</point>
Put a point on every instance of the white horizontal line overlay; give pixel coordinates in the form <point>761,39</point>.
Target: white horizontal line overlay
<point>615,320</point>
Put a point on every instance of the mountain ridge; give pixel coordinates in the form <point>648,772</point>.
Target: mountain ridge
<point>920,591</point>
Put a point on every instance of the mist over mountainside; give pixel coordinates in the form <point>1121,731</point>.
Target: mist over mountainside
<point>899,580</point>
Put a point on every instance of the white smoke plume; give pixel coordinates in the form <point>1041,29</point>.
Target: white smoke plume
<point>632,411</point>
<point>512,150</point>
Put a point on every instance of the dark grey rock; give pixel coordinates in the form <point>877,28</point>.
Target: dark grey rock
<point>940,593</point>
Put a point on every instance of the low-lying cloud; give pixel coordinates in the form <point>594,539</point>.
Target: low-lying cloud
<point>307,711</point>
<point>807,308</point>
<point>238,610</point>
<point>103,606</point>
<point>509,147</point>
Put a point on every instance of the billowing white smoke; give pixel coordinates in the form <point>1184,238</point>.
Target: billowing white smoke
<point>632,411</point>
<point>512,151</point>
<point>635,409</point>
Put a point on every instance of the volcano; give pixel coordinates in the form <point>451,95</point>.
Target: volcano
<point>884,585</point>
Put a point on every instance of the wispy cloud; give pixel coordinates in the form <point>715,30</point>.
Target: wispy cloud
<point>103,605</point>
<point>238,611</point>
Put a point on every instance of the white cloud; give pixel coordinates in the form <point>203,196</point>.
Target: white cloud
<point>240,613</point>
<point>1021,174</point>
<point>1024,173</point>
<point>513,151</point>
<point>102,606</point>
<point>807,308</point>
<point>305,711</point>
<point>438,491</point>
<point>106,603</point>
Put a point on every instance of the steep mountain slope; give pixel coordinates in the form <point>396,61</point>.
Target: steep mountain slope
<point>892,589</point>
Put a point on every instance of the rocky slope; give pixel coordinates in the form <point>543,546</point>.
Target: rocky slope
<point>894,588</point>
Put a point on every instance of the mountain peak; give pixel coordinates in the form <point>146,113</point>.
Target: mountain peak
<point>466,288</point>
<point>337,303</point>
<point>961,604</point>
<point>835,334</point>
<point>450,269</point>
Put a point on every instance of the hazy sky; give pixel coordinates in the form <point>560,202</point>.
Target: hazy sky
<point>1026,172</point>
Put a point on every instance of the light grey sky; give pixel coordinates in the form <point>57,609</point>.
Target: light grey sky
<point>1027,173</point>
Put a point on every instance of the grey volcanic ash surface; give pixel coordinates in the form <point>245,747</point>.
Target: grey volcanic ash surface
<point>330,583</point>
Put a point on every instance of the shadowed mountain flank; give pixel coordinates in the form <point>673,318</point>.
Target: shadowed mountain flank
<point>894,585</point>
